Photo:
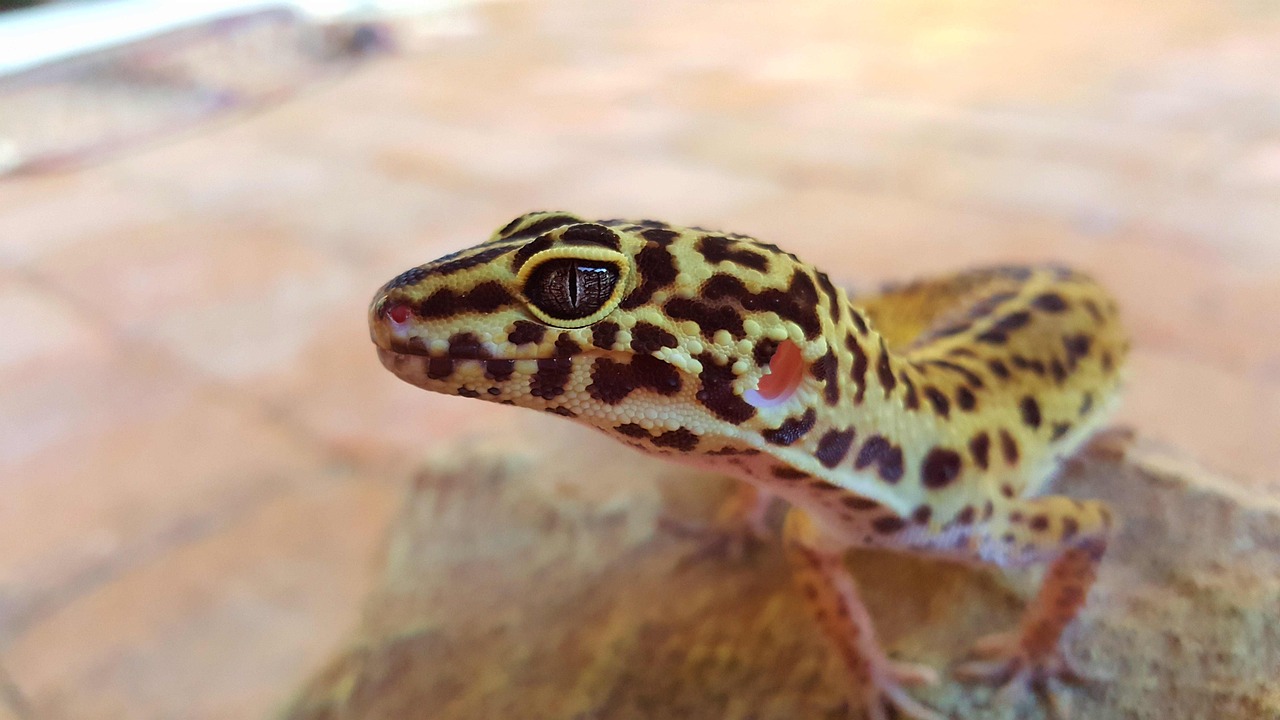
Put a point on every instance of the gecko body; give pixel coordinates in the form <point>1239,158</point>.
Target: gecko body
<point>925,417</point>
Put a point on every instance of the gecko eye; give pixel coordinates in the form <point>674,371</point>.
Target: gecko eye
<point>571,289</point>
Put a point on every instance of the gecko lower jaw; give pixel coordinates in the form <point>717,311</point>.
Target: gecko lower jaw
<point>396,360</point>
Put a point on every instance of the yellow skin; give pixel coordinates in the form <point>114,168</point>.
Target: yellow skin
<point>924,418</point>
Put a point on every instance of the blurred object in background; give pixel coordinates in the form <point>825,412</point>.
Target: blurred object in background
<point>82,80</point>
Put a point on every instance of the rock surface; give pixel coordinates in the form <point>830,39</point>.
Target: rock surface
<point>539,582</point>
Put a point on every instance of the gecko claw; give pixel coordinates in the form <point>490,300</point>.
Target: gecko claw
<point>1005,665</point>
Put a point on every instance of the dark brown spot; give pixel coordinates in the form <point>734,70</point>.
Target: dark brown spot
<point>467,392</point>
<point>965,517</point>
<point>632,430</point>
<point>969,376</point>
<point>660,235</point>
<point>980,449</point>
<point>499,370</point>
<point>717,249</point>
<point>469,261</point>
<point>657,269</point>
<point>709,318</point>
<point>562,411</point>
<point>538,227</point>
<point>827,369</point>
<point>495,391</point>
<point>998,368</point>
<point>884,371</point>
<point>483,298</point>
<point>833,446</point>
<point>1030,412</point>
<point>511,226</point>
<point>1057,370</point>
<point>888,524</point>
<point>999,332</point>
<point>1008,447</point>
<point>550,379</point>
<point>857,502</point>
<point>439,368</point>
<point>611,381</point>
<point>656,375</point>
<point>941,405</point>
<point>859,322</point>
<point>965,398</point>
<point>786,472</point>
<point>886,456</point>
<point>829,290</point>
<point>1077,347</point>
<point>791,429</point>
<point>797,303</point>
<point>647,338</point>
<point>922,514</point>
<point>605,334</point>
<point>466,346</point>
<point>524,332</point>
<point>1023,363</point>
<point>1006,490</point>
<point>859,372</point>
<point>591,234</point>
<point>1050,302</point>
<point>1059,429</point>
<point>731,450</point>
<point>1086,404</point>
<point>911,400</point>
<point>566,346</point>
<point>679,439</point>
<point>530,249</point>
<point>1039,523</point>
<point>1108,362</point>
<point>717,394</point>
<point>941,468</point>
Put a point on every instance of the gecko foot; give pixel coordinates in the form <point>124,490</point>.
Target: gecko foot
<point>1002,662</point>
<point>888,699</point>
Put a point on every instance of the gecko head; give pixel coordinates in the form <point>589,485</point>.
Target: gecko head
<point>665,336</point>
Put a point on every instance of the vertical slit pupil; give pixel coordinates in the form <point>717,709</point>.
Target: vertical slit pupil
<point>571,289</point>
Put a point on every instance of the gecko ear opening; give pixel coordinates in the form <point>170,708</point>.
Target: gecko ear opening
<point>781,378</point>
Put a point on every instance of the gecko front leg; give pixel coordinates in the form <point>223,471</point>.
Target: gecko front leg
<point>817,560</point>
<point>1072,537</point>
<point>1069,535</point>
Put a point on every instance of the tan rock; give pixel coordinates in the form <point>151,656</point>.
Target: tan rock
<point>539,583</point>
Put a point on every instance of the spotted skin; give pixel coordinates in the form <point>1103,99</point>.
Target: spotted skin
<point>924,417</point>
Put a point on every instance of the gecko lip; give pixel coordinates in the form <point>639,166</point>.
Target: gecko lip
<point>392,358</point>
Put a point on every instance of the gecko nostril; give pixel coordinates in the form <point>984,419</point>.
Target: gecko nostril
<point>399,313</point>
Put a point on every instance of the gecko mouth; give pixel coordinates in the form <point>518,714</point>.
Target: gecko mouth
<point>419,365</point>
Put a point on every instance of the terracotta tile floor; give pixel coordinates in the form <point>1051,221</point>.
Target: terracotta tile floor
<point>199,452</point>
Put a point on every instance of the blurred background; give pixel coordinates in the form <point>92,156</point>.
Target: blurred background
<point>199,452</point>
